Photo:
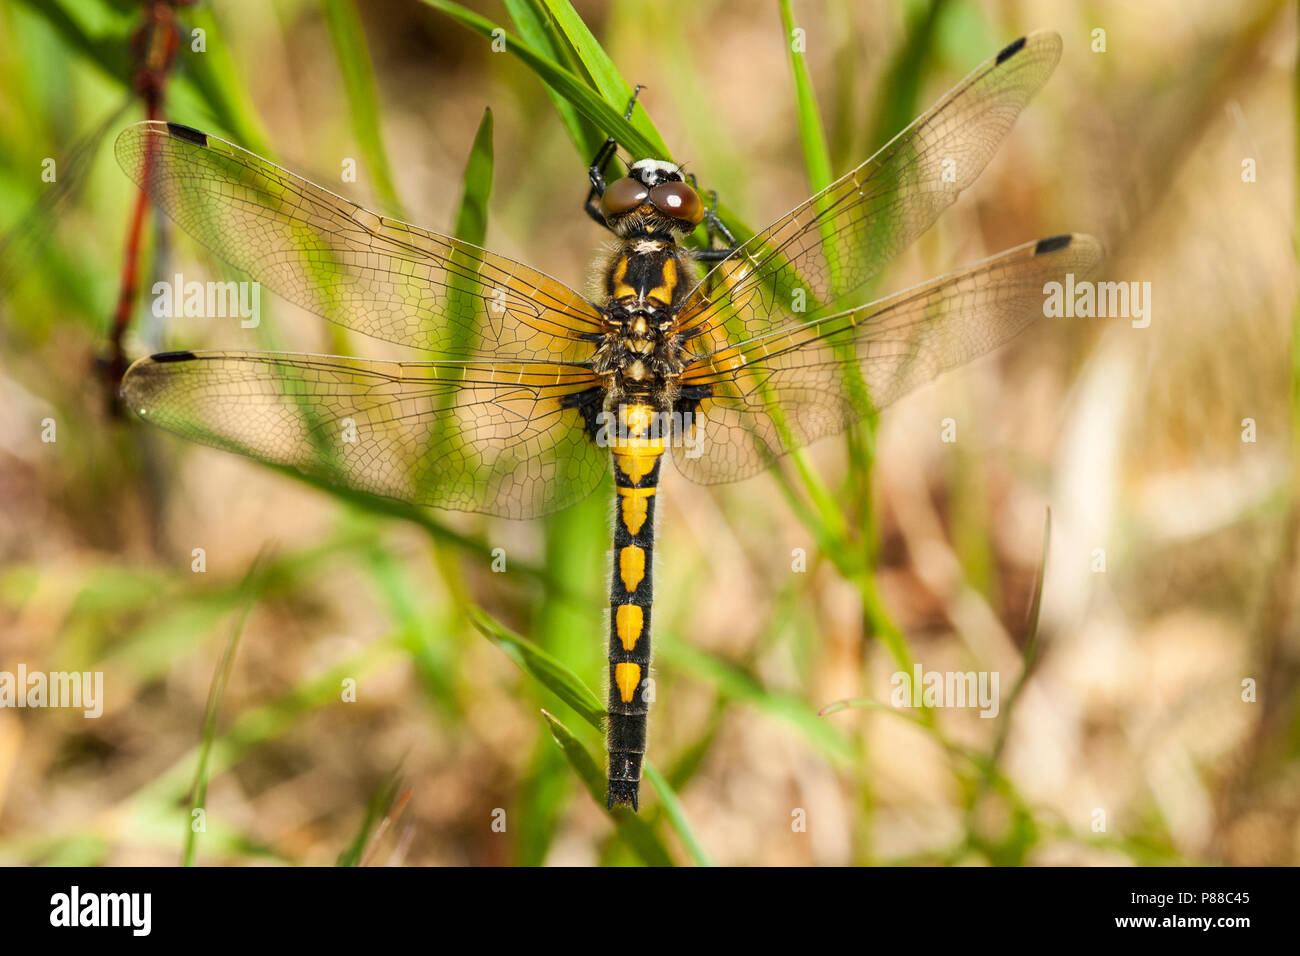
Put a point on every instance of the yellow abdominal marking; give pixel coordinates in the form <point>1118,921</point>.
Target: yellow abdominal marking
<point>663,294</point>
<point>636,456</point>
<point>628,622</point>
<point>627,676</point>
<point>637,418</point>
<point>631,566</point>
<point>621,289</point>
<point>636,503</point>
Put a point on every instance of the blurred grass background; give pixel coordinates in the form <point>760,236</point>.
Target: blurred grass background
<point>224,688</point>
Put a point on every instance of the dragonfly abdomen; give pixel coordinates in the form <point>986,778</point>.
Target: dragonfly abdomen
<point>637,445</point>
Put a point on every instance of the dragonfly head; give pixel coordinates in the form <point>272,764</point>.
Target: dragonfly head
<point>652,198</point>
<point>652,172</point>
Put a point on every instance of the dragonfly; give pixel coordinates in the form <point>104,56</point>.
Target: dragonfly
<point>155,44</point>
<point>526,394</point>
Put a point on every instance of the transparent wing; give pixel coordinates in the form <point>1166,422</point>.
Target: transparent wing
<point>500,438</point>
<point>829,246</point>
<point>377,276</point>
<point>30,235</point>
<point>785,389</point>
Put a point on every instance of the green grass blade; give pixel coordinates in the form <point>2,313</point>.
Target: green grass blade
<point>251,587</point>
<point>677,817</point>
<point>901,85</point>
<point>538,30</point>
<point>575,545</point>
<point>471,217</point>
<point>1036,604</point>
<point>437,530</point>
<point>379,811</point>
<point>566,83</point>
<point>739,684</point>
<point>595,62</point>
<point>465,283</point>
<point>256,726</point>
<point>108,53</point>
<point>636,832</point>
<point>349,40</point>
<point>435,660</point>
<point>543,794</point>
<point>569,688</point>
<point>1031,646</point>
<point>219,81</point>
<point>689,761</point>
<point>641,140</point>
<point>565,684</point>
<point>812,136</point>
<point>212,74</point>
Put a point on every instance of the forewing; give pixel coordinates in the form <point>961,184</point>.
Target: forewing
<point>783,390</point>
<point>366,272</point>
<point>490,437</point>
<point>808,261</point>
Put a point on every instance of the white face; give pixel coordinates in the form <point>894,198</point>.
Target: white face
<point>666,170</point>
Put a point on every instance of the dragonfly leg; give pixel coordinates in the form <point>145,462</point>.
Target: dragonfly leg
<point>713,223</point>
<point>596,169</point>
<point>596,173</point>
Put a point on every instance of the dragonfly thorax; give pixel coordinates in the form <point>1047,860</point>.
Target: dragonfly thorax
<point>645,283</point>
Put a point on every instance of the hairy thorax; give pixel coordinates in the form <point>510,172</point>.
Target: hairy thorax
<point>640,357</point>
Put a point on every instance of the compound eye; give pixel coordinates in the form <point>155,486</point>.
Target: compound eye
<point>622,195</point>
<point>679,201</point>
